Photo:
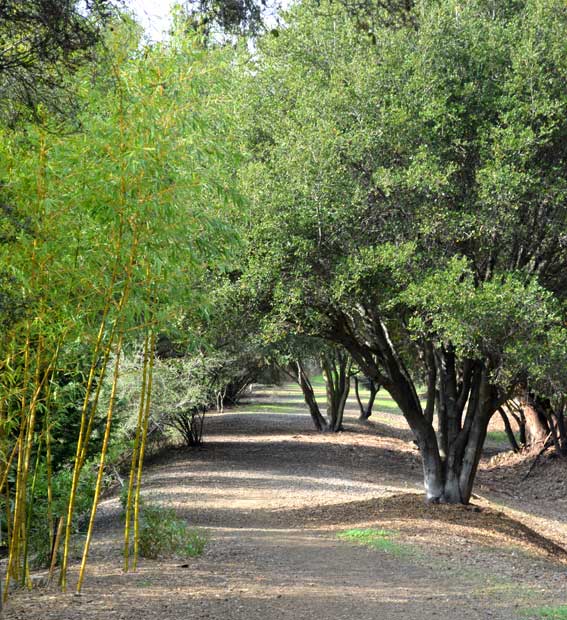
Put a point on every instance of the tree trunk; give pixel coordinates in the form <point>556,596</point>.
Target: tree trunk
<point>562,431</point>
<point>366,410</point>
<point>554,422</point>
<point>336,370</point>
<point>462,393</point>
<point>536,425</point>
<point>310,400</point>
<point>450,460</point>
<point>517,413</point>
<point>509,431</point>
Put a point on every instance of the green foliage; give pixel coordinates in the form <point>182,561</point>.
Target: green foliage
<point>40,538</point>
<point>162,534</point>
<point>150,165</point>
<point>504,317</point>
<point>219,19</point>
<point>40,44</point>
<point>419,177</point>
<point>184,388</point>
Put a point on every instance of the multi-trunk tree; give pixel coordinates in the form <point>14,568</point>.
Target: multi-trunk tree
<point>410,204</point>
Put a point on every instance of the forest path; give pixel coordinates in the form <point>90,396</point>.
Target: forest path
<point>274,497</point>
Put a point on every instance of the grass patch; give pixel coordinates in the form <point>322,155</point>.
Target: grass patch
<point>386,405</point>
<point>550,613</point>
<point>274,408</point>
<point>294,402</point>
<point>317,380</point>
<point>498,437</point>
<point>380,540</point>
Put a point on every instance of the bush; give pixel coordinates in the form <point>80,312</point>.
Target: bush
<point>189,423</point>
<point>181,395</point>
<point>184,388</point>
<point>163,534</point>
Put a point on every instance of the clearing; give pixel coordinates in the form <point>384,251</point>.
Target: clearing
<point>276,499</point>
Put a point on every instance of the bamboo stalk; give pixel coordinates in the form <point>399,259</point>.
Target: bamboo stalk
<point>48,464</point>
<point>101,465</point>
<point>26,571</point>
<point>8,465</point>
<point>143,449</point>
<point>8,514</point>
<point>29,444</point>
<point>83,441</point>
<point>55,547</point>
<point>12,569</point>
<point>133,466</point>
<point>85,425</point>
<point>48,458</point>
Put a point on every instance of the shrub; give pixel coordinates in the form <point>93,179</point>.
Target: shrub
<point>163,534</point>
<point>189,423</point>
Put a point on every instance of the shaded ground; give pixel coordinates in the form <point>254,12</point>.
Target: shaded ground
<point>273,495</point>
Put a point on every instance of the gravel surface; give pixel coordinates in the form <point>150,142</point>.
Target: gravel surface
<point>273,495</point>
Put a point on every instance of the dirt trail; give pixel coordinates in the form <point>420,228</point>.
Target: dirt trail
<point>273,495</point>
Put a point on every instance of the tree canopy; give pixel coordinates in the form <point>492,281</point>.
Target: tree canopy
<point>409,199</point>
<point>41,42</point>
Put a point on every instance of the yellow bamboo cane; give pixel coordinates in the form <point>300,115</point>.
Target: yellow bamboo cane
<point>143,449</point>
<point>134,462</point>
<point>48,460</point>
<point>12,569</point>
<point>28,448</point>
<point>73,492</point>
<point>101,465</point>
<point>80,454</point>
<point>25,438</point>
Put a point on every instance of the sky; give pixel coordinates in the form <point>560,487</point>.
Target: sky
<point>153,15</point>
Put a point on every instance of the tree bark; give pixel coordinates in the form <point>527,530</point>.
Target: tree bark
<point>366,410</point>
<point>536,431</point>
<point>310,400</point>
<point>336,370</point>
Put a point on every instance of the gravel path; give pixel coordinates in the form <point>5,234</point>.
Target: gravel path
<point>273,495</point>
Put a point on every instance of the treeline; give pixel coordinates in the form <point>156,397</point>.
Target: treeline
<point>406,177</point>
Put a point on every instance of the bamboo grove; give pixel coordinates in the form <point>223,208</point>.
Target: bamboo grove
<point>120,216</point>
